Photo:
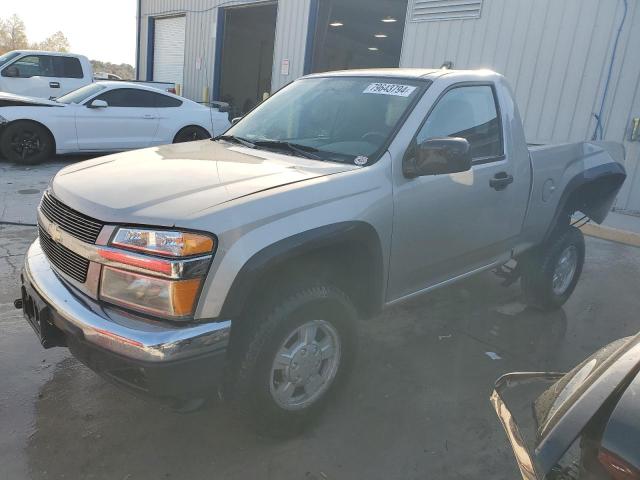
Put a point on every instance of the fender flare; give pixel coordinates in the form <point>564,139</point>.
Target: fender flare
<point>354,234</point>
<point>609,177</point>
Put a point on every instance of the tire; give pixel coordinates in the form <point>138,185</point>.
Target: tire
<point>255,382</point>
<point>26,143</point>
<point>191,134</point>
<point>546,283</point>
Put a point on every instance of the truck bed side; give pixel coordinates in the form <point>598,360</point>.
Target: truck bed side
<point>574,177</point>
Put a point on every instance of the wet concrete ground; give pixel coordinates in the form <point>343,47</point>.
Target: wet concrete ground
<point>416,405</point>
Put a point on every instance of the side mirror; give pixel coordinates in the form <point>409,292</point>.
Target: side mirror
<point>98,104</point>
<point>11,71</point>
<point>235,120</point>
<point>438,156</point>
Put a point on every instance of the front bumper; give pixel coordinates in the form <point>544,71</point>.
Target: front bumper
<point>158,358</point>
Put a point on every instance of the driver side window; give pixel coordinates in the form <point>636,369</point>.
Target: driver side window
<point>468,112</point>
<point>34,65</point>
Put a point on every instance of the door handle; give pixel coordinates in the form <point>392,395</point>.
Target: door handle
<point>501,180</point>
<point>149,116</point>
<point>54,84</point>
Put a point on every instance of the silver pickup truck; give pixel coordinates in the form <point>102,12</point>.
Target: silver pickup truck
<point>242,264</point>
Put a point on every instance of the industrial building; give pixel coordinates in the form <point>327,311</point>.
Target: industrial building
<point>572,63</point>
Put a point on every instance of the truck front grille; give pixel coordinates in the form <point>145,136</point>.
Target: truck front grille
<point>68,262</point>
<point>74,223</point>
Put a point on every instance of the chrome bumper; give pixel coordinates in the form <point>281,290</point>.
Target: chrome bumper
<point>133,337</point>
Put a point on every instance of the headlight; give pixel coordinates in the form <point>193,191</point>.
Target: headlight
<point>157,296</point>
<point>163,242</point>
<point>158,272</point>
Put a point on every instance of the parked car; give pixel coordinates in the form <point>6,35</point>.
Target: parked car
<point>248,260</point>
<point>587,424</point>
<point>101,117</point>
<point>42,74</point>
<point>106,76</point>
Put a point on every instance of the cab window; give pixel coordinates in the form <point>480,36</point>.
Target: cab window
<point>469,112</point>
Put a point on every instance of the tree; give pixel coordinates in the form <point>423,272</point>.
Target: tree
<point>54,43</point>
<point>13,34</point>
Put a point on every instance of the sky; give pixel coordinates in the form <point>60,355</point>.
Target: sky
<point>100,30</point>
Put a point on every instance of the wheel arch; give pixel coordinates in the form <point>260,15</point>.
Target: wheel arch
<point>180,129</point>
<point>349,254</point>
<point>591,192</point>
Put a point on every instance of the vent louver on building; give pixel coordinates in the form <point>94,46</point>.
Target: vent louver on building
<point>432,10</point>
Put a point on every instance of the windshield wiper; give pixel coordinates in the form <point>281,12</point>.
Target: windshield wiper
<point>233,138</point>
<point>302,150</point>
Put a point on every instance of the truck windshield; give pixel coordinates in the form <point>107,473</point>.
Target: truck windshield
<point>346,119</point>
<point>7,56</point>
<point>81,94</point>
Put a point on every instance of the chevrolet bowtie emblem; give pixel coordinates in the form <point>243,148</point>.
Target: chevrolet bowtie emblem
<point>56,233</point>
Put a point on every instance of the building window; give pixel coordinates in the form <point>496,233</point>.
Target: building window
<point>358,34</point>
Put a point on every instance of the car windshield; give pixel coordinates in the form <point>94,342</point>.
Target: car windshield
<point>7,56</point>
<point>81,94</point>
<point>337,118</point>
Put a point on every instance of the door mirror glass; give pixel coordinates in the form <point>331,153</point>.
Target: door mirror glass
<point>11,72</point>
<point>98,104</point>
<point>438,156</point>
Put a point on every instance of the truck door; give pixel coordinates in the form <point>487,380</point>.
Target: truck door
<point>446,226</point>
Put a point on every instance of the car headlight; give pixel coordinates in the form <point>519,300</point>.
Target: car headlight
<point>163,242</point>
<point>159,272</point>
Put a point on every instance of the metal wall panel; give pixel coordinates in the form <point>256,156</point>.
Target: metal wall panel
<point>200,39</point>
<point>555,54</point>
<point>291,37</point>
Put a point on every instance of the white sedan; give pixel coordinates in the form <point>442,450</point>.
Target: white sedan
<point>101,117</point>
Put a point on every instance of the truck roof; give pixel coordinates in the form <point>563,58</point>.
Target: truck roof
<point>45,52</point>
<point>431,73</point>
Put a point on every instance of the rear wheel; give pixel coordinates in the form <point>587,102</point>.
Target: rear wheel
<point>26,143</point>
<point>191,134</point>
<point>291,357</point>
<point>550,272</point>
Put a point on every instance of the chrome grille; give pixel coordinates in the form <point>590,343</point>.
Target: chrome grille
<point>65,260</point>
<point>74,223</point>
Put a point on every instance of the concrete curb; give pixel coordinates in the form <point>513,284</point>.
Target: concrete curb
<point>611,234</point>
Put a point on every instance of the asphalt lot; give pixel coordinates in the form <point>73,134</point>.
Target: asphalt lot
<point>416,405</point>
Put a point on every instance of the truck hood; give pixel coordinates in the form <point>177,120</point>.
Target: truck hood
<point>11,100</point>
<point>164,185</point>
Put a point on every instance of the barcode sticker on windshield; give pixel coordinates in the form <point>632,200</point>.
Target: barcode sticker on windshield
<point>389,89</point>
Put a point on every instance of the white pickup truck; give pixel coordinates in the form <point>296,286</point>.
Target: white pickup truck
<point>34,73</point>
<point>251,257</point>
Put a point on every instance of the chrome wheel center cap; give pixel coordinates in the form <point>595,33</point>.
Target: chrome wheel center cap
<point>305,363</point>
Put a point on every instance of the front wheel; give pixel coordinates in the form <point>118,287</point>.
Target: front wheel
<point>550,272</point>
<point>26,143</point>
<point>293,357</point>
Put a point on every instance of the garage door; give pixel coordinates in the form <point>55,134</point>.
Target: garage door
<point>168,49</point>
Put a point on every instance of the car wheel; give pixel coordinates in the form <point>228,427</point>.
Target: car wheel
<point>191,134</point>
<point>292,357</point>
<point>550,273</point>
<point>26,143</point>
